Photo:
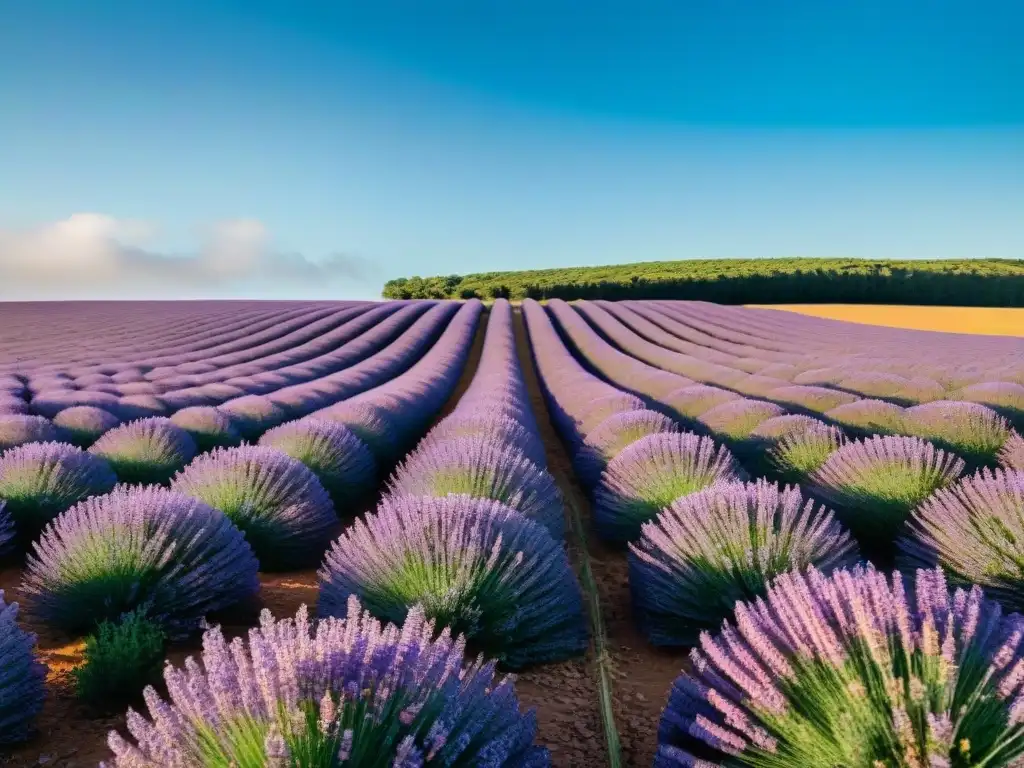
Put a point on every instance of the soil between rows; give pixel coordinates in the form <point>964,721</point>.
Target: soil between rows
<point>642,674</point>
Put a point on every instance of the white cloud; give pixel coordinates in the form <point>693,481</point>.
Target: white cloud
<point>91,255</point>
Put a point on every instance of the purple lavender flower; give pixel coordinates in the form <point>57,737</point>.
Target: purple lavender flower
<point>798,453</point>
<point>22,677</point>
<point>146,451</point>
<point>371,424</point>
<point>340,460</point>
<point>873,484</point>
<point>973,431</point>
<point>346,688</point>
<point>653,472</point>
<point>869,417</point>
<point>736,419</point>
<point>41,480</point>
<point>85,424</point>
<point>474,565</point>
<point>481,424</point>
<point>208,427</point>
<point>850,670</point>
<point>708,550</point>
<point>483,470</point>
<point>138,548</point>
<point>6,530</point>
<point>605,441</point>
<point>17,429</point>
<point>974,530</point>
<point>253,415</point>
<point>1012,454</point>
<point>283,510</point>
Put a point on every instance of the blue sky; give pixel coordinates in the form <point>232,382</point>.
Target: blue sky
<point>317,149</point>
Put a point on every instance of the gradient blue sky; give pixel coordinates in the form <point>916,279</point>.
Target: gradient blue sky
<point>395,138</point>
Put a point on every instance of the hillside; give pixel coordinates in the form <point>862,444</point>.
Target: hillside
<point>983,282</point>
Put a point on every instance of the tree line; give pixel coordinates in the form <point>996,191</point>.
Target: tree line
<point>981,283</point>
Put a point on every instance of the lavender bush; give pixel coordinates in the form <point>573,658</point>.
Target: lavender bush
<point>474,424</point>
<point>850,670</point>
<point>736,419</point>
<point>145,548</point>
<point>1012,454</point>
<point>371,424</point>
<point>252,415</point>
<point>483,470</point>
<point>19,429</point>
<point>283,510</point>
<point>607,439</point>
<point>22,677</point>
<point>869,417</point>
<point>974,432</point>
<point>346,691</point>
<point>474,565</point>
<point>340,460</point>
<point>708,550</point>
<point>209,427</point>
<point>85,424</point>
<point>974,529</point>
<point>873,484</point>
<point>146,451</point>
<point>797,454</point>
<point>652,473</point>
<point>40,480</point>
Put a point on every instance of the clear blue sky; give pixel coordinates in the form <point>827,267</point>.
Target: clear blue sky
<point>395,138</point>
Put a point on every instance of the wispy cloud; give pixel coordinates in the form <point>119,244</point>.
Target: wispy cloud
<point>91,255</point>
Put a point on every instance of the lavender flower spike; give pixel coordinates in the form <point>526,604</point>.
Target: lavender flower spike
<point>851,670</point>
<point>348,689</point>
<point>22,677</point>
<point>710,549</point>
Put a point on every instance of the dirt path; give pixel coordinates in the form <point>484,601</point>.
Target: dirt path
<point>642,675</point>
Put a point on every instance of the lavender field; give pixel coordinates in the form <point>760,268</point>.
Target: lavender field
<point>418,533</point>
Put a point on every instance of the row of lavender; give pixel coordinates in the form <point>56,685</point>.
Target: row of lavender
<point>819,674</point>
<point>731,403</point>
<point>471,527</point>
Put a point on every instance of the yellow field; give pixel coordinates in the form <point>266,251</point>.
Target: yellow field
<point>994,321</point>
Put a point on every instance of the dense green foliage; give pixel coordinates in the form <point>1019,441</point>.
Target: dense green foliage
<point>120,660</point>
<point>984,282</point>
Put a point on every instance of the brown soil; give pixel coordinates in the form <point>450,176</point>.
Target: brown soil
<point>642,675</point>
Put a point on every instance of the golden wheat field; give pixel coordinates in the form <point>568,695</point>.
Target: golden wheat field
<point>997,321</point>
